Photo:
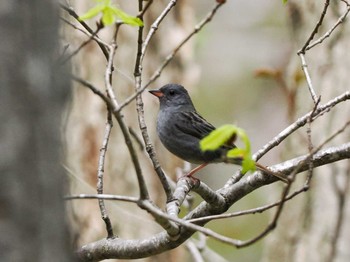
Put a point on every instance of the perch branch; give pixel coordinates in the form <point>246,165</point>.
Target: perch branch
<point>119,248</point>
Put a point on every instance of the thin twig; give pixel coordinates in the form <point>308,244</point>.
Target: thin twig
<point>171,228</point>
<point>141,115</point>
<point>155,26</point>
<point>76,51</point>
<point>330,31</point>
<point>233,194</point>
<point>309,139</point>
<point>103,196</point>
<point>341,194</point>
<point>314,32</point>
<point>100,173</point>
<point>299,123</point>
<point>285,192</point>
<point>194,251</point>
<point>273,223</point>
<point>71,11</point>
<point>155,211</point>
<point>124,129</point>
<point>143,11</point>
<point>197,28</point>
<point>75,27</point>
<point>308,78</point>
<point>136,137</point>
<point>249,211</point>
<point>94,89</point>
<point>158,72</point>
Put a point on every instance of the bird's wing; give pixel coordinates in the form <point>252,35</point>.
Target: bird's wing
<point>193,124</point>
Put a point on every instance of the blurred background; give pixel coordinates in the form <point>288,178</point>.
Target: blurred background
<point>242,69</point>
<point>244,37</point>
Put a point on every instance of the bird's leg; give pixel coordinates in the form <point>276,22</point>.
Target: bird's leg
<point>270,172</point>
<point>196,169</point>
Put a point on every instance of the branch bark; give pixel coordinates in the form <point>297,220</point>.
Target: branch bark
<point>133,249</point>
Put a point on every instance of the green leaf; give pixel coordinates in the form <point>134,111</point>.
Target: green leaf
<point>222,136</point>
<point>218,137</point>
<point>243,135</point>
<point>92,13</point>
<point>127,19</point>
<point>107,17</point>
<point>248,164</point>
<point>236,153</point>
<point>109,12</point>
<point>285,1</point>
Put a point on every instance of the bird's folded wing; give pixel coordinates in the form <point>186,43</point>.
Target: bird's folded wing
<point>193,124</point>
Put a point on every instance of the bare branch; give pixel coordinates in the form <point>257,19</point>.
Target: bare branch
<point>94,89</point>
<point>341,199</point>
<point>314,32</point>
<point>71,12</point>
<point>330,31</point>
<point>126,134</point>
<point>143,11</point>
<point>155,26</point>
<point>103,196</point>
<point>141,115</point>
<point>119,248</point>
<point>249,211</point>
<point>210,196</point>
<point>158,72</point>
<point>308,78</point>
<point>182,189</point>
<point>195,253</point>
<point>75,52</point>
<point>100,173</point>
<point>299,123</point>
<point>162,219</point>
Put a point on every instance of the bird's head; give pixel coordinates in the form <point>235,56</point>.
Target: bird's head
<point>173,95</point>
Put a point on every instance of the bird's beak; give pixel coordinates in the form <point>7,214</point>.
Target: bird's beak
<point>156,92</point>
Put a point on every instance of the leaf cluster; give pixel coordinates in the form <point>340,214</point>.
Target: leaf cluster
<point>109,14</point>
<point>225,135</point>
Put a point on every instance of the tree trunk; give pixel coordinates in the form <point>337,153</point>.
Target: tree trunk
<point>33,94</point>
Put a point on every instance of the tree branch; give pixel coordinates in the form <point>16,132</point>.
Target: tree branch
<point>141,115</point>
<point>100,173</point>
<point>299,123</point>
<point>158,72</point>
<point>125,249</point>
<point>102,45</point>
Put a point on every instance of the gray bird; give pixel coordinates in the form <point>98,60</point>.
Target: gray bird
<point>180,128</point>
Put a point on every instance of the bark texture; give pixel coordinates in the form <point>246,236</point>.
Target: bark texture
<point>33,94</point>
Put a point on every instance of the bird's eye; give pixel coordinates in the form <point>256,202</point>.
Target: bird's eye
<point>171,92</point>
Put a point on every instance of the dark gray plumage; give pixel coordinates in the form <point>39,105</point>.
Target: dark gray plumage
<point>180,127</point>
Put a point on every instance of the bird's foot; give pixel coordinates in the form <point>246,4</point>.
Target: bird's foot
<point>192,180</point>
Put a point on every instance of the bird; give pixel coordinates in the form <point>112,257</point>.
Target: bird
<point>181,128</point>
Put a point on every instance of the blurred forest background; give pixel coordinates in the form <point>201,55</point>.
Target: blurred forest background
<point>245,37</point>
<point>218,67</point>
<point>242,68</point>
